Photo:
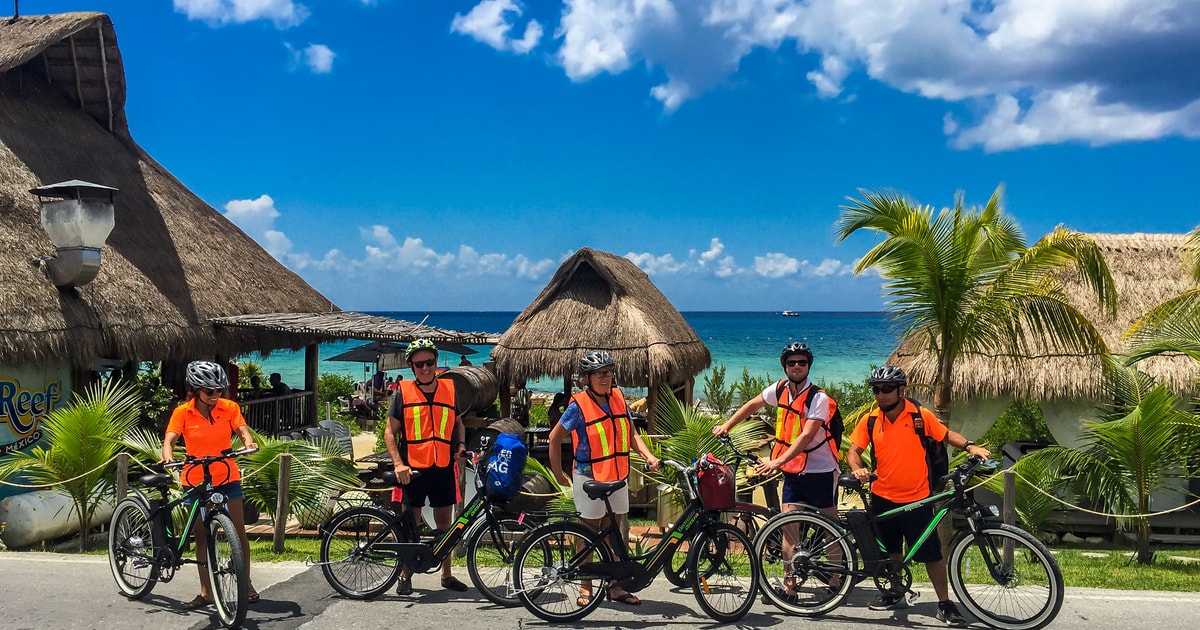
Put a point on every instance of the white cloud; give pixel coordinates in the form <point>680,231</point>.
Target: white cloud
<point>257,217</point>
<point>1029,72</point>
<point>283,13</point>
<point>776,265</point>
<point>317,58</point>
<point>652,264</point>
<point>488,22</point>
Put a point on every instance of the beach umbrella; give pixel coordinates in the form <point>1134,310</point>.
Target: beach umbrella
<point>371,352</point>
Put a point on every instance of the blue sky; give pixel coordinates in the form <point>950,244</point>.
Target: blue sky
<point>449,154</point>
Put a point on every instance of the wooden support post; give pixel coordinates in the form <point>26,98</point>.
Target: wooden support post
<point>281,502</point>
<point>122,475</point>
<point>311,359</point>
<point>75,63</point>
<point>1010,511</point>
<point>652,408</point>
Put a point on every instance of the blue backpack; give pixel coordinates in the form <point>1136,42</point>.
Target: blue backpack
<point>505,468</point>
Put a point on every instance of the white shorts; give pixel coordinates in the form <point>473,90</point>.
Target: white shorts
<point>594,509</point>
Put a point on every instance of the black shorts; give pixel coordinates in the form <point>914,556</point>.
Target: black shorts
<point>812,489</point>
<point>437,485</point>
<point>906,528</point>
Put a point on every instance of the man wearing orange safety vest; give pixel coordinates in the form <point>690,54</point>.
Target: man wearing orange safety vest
<point>602,434</point>
<point>423,434</point>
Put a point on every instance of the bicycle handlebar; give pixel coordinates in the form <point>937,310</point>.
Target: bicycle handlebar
<point>209,459</point>
<point>748,456</point>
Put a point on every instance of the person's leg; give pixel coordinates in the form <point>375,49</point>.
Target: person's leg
<point>202,560</point>
<point>617,593</point>
<point>444,517</point>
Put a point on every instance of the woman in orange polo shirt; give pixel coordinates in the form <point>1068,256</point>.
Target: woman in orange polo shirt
<point>207,422</point>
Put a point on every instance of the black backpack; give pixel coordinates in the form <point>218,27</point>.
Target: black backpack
<point>833,429</point>
<point>937,460</point>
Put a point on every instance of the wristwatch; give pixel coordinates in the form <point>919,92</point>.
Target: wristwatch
<point>968,445</point>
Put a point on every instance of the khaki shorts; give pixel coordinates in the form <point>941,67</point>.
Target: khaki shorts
<point>594,509</point>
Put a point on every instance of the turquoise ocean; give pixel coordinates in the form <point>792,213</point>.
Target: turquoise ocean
<point>846,345</point>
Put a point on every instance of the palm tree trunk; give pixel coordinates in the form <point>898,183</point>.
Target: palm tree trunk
<point>1144,556</point>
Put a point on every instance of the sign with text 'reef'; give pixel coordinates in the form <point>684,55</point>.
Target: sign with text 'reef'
<point>26,396</point>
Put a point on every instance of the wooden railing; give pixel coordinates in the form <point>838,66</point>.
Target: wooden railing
<point>274,415</point>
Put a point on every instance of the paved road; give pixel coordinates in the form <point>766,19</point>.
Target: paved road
<point>51,591</point>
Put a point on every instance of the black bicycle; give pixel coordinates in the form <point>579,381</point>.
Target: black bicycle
<point>1004,576</point>
<point>364,548</point>
<point>144,549</point>
<point>555,564</point>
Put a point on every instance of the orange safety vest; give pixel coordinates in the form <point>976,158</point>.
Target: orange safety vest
<point>790,422</point>
<point>428,425</point>
<point>607,434</point>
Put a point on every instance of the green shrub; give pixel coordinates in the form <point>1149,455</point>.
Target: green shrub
<point>246,370</point>
<point>331,385</point>
<point>717,396</point>
<point>539,416</point>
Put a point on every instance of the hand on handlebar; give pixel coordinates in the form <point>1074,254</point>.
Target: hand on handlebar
<point>720,430</point>
<point>862,474</point>
<point>767,467</point>
<point>653,463</point>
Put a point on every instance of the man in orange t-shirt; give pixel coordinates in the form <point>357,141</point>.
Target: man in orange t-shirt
<point>903,478</point>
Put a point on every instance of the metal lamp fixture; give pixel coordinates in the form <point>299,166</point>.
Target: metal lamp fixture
<point>78,216</point>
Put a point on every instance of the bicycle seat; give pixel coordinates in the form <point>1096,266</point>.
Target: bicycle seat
<point>389,477</point>
<point>156,479</point>
<point>599,489</point>
<point>852,483</point>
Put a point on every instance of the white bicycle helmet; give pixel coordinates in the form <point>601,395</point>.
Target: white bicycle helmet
<point>206,375</point>
<point>888,373</point>
<point>594,360</point>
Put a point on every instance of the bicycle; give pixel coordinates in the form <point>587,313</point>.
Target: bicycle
<point>143,548</point>
<point>363,548</point>
<point>1004,576</point>
<point>555,559</point>
<point>748,517</point>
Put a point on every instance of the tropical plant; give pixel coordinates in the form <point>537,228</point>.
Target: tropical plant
<point>157,401</point>
<point>1033,505</point>
<point>1144,437</point>
<point>1174,325</point>
<point>750,386</point>
<point>332,385</point>
<point>246,370</point>
<point>963,281</point>
<point>717,396</point>
<point>82,440</point>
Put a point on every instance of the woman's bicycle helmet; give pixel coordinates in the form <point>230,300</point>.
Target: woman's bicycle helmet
<point>417,346</point>
<point>594,360</point>
<point>206,375</point>
<point>795,348</point>
<point>888,374</point>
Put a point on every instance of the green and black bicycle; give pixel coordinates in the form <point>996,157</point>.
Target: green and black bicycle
<point>1004,576</point>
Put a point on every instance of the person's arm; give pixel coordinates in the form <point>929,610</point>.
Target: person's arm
<point>811,426</point>
<point>748,409</point>
<point>168,447</point>
<point>639,445</point>
<point>854,459</point>
<point>460,437</point>
<point>557,434</point>
<point>403,472</point>
<point>957,440</point>
<point>247,437</point>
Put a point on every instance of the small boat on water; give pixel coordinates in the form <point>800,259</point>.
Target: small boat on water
<point>790,314</point>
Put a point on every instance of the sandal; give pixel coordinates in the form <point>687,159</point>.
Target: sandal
<point>252,597</point>
<point>583,600</point>
<point>627,598</point>
<point>453,584</point>
<point>197,603</point>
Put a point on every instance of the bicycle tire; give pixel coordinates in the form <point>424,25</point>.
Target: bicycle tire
<point>490,551</point>
<point>724,572</point>
<point>676,570</point>
<point>1024,594</point>
<point>543,574</point>
<point>748,521</point>
<point>818,543</point>
<point>228,573</point>
<point>131,548</point>
<point>349,561</point>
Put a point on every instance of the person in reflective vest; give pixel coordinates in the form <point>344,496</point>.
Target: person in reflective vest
<point>602,434</point>
<point>424,434</point>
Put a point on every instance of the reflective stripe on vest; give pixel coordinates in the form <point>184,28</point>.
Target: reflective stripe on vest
<point>607,434</point>
<point>790,422</point>
<point>427,424</point>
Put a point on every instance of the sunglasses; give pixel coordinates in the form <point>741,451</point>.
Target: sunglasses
<point>208,391</point>
<point>424,364</point>
<point>795,362</point>
<point>884,389</point>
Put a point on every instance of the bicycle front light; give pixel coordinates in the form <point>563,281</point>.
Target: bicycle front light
<point>993,510</point>
<point>219,498</point>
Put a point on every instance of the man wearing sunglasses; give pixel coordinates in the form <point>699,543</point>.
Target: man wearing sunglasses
<point>424,434</point>
<point>891,430</point>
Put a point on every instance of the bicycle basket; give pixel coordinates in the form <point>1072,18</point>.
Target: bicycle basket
<point>716,483</point>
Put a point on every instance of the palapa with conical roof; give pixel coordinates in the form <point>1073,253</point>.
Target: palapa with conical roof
<point>598,301</point>
<point>171,263</point>
<point>1147,268</point>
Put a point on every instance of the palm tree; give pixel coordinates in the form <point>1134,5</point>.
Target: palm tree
<point>964,281</point>
<point>82,439</point>
<point>1143,438</point>
<point>1174,325</point>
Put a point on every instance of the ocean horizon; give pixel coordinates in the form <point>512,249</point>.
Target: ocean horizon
<point>845,344</point>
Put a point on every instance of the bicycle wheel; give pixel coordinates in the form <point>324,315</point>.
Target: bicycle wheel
<point>490,549</point>
<point>228,572</point>
<point>807,562</point>
<point>1006,578</point>
<point>676,570</point>
<point>131,548</point>
<point>547,575</point>
<point>724,572</point>
<point>351,563</point>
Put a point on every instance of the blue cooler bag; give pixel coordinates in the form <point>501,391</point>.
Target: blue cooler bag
<point>505,468</point>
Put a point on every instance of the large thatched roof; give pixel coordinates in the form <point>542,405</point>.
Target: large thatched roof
<point>1147,269</point>
<point>172,261</point>
<point>598,301</point>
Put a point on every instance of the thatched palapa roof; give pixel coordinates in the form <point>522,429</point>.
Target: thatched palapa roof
<point>598,301</point>
<point>172,262</point>
<point>1147,270</point>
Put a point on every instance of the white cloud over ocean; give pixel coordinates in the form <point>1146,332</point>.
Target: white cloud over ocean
<point>283,13</point>
<point>1016,73</point>
<point>490,22</point>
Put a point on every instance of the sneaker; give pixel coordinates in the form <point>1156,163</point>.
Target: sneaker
<point>947,612</point>
<point>404,586</point>
<point>888,601</point>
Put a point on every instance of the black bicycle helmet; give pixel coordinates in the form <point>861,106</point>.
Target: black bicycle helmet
<point>795,348</point>
<point>888,374</point>
<point>206,375</point>
<point>594,360</point>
